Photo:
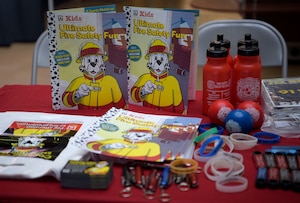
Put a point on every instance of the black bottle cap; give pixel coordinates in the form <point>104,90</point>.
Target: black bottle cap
<point>217,51</point>
<point>220,38</point>
<point>248,49</point>
<point>247,37</point>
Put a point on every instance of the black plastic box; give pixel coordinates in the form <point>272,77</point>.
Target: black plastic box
<point>87,174</point>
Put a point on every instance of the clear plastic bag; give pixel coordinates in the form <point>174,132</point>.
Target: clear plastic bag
<point>285,124</point>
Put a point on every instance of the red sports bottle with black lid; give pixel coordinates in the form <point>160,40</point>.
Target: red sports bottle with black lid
<point>216,76</point>
<point>247,75</point>
<point>224,43</point>
<point>241,42</point>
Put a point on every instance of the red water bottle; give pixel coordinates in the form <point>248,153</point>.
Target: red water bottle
<point>247,74</point>
<point>216,76</point>
<point>224,43</point>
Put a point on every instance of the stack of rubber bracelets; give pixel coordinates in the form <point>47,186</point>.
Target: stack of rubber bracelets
<point>278,167</point>
<point>222,165</point>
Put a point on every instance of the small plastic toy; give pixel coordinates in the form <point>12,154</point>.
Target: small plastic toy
<point>255,110</point>
<point>238,121</point>
<point>218,111</point>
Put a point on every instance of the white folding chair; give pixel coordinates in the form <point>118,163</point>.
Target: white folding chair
<point>273,48</point>
<point>40,56</point>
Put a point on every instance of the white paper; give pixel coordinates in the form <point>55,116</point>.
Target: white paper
<point>30,168</point>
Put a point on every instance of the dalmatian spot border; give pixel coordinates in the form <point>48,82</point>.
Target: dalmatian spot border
<point>127,11</point>
<point>54,71</point>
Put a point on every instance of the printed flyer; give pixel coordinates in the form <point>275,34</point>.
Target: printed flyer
<point>34,144</point>
<point>44,140</point>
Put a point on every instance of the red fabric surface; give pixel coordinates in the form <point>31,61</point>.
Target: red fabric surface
<point>47,189</point>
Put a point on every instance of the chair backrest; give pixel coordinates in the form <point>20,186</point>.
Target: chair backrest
<point>40,56</point>
<point>272,46</point>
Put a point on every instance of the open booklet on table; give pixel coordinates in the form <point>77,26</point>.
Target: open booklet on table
<point>123,135</point>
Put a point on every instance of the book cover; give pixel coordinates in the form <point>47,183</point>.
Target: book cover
<point>128,135</point>
<point>193,66</point>
<point>159,51</point>
<point>282,92</point>
<point>34,144</point>
<point>88,60</point>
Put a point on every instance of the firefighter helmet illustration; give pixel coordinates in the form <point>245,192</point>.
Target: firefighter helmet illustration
<point>91,48</point>
<point>158,46</point>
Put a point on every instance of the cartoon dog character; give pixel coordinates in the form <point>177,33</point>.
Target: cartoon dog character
<point>136,144</point>
<point>30,141</point>
<point>158,89</point>
<point>93,90</point>
<point>138,135</point>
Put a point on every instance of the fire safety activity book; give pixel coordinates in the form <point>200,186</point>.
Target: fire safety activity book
<point>88,59</point>
<point>123,135</point>
<point>159,52</point>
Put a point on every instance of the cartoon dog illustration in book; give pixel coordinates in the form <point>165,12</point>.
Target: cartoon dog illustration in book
<point>157,89</point>
<point>93,90</point>
<point>136,144</point>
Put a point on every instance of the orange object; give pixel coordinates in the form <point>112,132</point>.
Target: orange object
<point>216,76</point>
<point>247,75</point>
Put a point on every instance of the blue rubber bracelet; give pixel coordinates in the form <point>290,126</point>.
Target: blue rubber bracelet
<point>208,141</point>
<point>206,126</point>
<point>267,138</point>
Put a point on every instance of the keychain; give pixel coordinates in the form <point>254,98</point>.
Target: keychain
<point>165,182</point>
<point>192,180</point>
<point>139,177</point>
<point>126,180</point>
<point>151,184</point>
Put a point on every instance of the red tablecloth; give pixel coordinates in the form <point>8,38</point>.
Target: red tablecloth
<point>47,189</point>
